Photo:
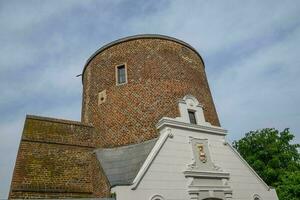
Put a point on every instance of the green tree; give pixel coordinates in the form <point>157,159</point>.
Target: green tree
<point>272,155</point>
<point>289,187</point>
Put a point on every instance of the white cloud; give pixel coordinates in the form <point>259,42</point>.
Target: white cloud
<point>250,49</point>
<point>261,90</point>
<point>20,16</point>
<point>213,25</point>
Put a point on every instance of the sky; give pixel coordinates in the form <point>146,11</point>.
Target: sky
<point>251,50</point>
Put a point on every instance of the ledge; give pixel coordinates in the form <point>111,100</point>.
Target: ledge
<point>165,121</point>
<point>61,121</point>
<point>206,174</point>
<point>49,189</point>
<point>58,143</point>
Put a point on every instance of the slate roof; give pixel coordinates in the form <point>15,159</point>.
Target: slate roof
<point>121,164</point>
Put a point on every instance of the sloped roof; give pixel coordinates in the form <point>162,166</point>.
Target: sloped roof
<point>121,164</point>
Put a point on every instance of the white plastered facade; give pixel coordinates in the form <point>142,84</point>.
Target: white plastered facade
<point>174,171</point>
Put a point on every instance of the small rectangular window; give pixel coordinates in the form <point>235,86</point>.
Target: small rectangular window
<point>192,117</point>
<point>121,74</point>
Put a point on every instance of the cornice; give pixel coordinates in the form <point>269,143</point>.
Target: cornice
<point>165,121</point>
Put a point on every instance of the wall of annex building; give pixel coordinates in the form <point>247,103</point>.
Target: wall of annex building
<point>165,175</point>
<point>56,160</point>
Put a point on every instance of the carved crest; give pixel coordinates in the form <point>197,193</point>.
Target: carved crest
<point>202,155</point>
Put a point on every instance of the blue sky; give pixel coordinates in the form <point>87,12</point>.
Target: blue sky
<point>250,48</point>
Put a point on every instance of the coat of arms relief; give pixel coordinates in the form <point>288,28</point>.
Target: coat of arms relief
<point>202,159</point>
<point>202,171</point>
<point>202,155</point>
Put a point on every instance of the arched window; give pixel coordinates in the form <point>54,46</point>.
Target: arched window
<point>157,197</point>
<point>256,197</point>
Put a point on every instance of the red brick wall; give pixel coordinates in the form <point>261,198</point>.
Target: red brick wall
<point>56,159</point>
<point>160,72</point>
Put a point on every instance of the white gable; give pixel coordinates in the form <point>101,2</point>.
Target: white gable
<point>194,161</point>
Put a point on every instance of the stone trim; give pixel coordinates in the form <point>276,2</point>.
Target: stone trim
<point>206,174</point>
<point>161,141</point>
<point>166,121</point>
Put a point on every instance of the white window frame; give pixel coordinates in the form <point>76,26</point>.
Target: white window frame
<point>117,74</point>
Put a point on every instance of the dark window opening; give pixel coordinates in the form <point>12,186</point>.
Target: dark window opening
<point>192,117</point>
<point>121,74</point>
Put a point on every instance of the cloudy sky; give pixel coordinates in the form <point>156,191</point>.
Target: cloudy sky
<point>251,50</point>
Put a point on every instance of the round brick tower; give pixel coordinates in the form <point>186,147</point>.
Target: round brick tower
<point>131,83</point>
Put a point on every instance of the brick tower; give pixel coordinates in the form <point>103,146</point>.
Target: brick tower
<point>128,86</point>
<point>131,83</point>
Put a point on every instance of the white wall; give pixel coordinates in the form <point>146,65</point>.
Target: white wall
<point>165,175</point>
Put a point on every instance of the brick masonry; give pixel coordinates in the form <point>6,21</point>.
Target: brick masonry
<point>55,157</point>
<point>160,73</point>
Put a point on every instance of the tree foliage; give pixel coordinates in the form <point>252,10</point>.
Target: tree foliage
<point>289,187</point>
<point>277,161</point>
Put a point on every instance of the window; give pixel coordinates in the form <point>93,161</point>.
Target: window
<point>192,117</point>
<point>157,197</point>
<point>257,197</point>
<point>121,74</point>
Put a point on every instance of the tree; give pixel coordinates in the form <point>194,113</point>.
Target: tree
<point>289,187</point>
<point>277,161</point>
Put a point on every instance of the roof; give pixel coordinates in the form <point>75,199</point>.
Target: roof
<point>135,37</point>
<point>121,164</point>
